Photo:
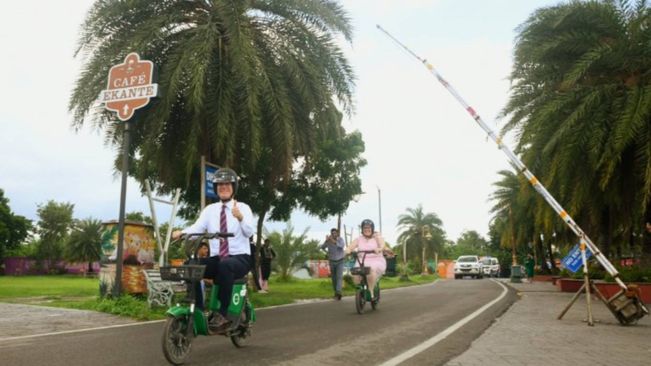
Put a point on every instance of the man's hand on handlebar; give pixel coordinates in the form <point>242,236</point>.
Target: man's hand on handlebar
<point>178,234</point>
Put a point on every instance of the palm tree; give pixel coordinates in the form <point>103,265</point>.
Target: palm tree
<point>84,243</point>
<point>514,213</point>
<point>420,232</point>
<point>291,251</point>
<point>237,79</point>
<point>581,106</point>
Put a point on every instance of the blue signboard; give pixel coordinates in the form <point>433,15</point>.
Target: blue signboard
<point>210,173</point>
<point>573,261</point>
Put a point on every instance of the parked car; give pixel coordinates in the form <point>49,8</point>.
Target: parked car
<point>490,266</point>
<point>468,265</point>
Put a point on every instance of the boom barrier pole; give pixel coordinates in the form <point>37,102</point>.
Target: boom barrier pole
<point>583,237</point>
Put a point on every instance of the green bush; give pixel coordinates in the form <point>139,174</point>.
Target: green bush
<point>632,274</point>
<point>565,273</point>
<point>126,305</point>
<point>404,269</point>
<point>348,280</point>
<point>597,272</point>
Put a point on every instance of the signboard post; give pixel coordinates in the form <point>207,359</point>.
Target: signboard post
<point>577,258</point>
<point>586,279</point>
<point>208,171</point>
<point>130,86</point>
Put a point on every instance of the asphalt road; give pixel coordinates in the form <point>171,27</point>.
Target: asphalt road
<point>325,333</point>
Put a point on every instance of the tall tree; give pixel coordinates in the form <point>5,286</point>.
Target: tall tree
<point>13,228</point>
<point>137,216</point>
<point>470,242</point>
<point>581,107</point>
<point>242,82</point>
<point>472,239</point>
<point>514,211</point>
<point>322,184</point>
<point>84,242</point>
<point>420,233</point>
<point>55,221</point>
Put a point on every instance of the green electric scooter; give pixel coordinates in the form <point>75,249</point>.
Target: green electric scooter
<point>362,292</point>
<point>185,321</point>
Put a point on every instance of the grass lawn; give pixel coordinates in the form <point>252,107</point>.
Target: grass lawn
<point>12,287</point>
<point>82,293</point>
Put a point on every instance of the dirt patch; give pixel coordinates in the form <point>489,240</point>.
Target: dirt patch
<point>23,320</point>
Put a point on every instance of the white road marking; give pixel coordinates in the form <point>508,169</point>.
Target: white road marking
<point>318,301</point>
<point>441,336</point>
<point>80,330</point>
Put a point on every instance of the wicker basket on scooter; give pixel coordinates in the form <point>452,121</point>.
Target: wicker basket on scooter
<point>360,271</point>
<point>188,272</point>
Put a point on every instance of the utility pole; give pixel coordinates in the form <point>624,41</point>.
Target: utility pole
<point>426,236</point>
<point>513,253</point>
<point>379,205</point>
<point>117,289</point>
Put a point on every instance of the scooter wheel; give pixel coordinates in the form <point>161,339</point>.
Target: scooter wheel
<point>243,331</point>
<point>176,342</point>
<point>375,302</point>
<point>359,301</point>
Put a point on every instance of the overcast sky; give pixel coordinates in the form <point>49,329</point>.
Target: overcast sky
<point>421,146</point>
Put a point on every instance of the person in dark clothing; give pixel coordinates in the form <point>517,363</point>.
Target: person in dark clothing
<point>256,278</point>
<point>267,254</point>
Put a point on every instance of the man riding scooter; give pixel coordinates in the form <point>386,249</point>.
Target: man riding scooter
<point>229,257</point>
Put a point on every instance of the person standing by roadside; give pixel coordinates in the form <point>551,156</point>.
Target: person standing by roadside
<point>335,245</point>
<point>254,268</point>
<point>267,254</point>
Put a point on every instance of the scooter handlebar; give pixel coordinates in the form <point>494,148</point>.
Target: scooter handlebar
<point>207,235</point>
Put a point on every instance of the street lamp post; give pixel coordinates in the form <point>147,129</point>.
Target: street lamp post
<point>404,252</point>
<point>379,205</point>
<point>425,235</point>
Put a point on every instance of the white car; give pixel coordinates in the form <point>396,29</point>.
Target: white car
<point>468,265</point>
<point>490,266</point>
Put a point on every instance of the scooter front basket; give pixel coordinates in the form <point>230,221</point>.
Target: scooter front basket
<point>360,271</point>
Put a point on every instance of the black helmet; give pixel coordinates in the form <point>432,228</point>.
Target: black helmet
<point>367,222</point>
<point>225,175</point>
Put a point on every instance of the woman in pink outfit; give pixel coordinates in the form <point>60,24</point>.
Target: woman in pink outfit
<point>370,240</point>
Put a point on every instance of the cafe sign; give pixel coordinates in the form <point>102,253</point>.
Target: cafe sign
<point>130,86</point>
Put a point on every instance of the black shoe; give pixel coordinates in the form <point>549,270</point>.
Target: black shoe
<point>218,324</point>
<point>337,296</point>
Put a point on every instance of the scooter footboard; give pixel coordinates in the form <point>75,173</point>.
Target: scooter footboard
<point>238,296</point>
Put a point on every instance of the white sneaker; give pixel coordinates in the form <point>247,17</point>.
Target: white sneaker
<point>262,291</point>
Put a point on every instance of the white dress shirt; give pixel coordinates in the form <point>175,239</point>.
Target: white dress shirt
<point>209,222</point>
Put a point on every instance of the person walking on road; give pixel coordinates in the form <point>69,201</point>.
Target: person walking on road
<point>335,245</point>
